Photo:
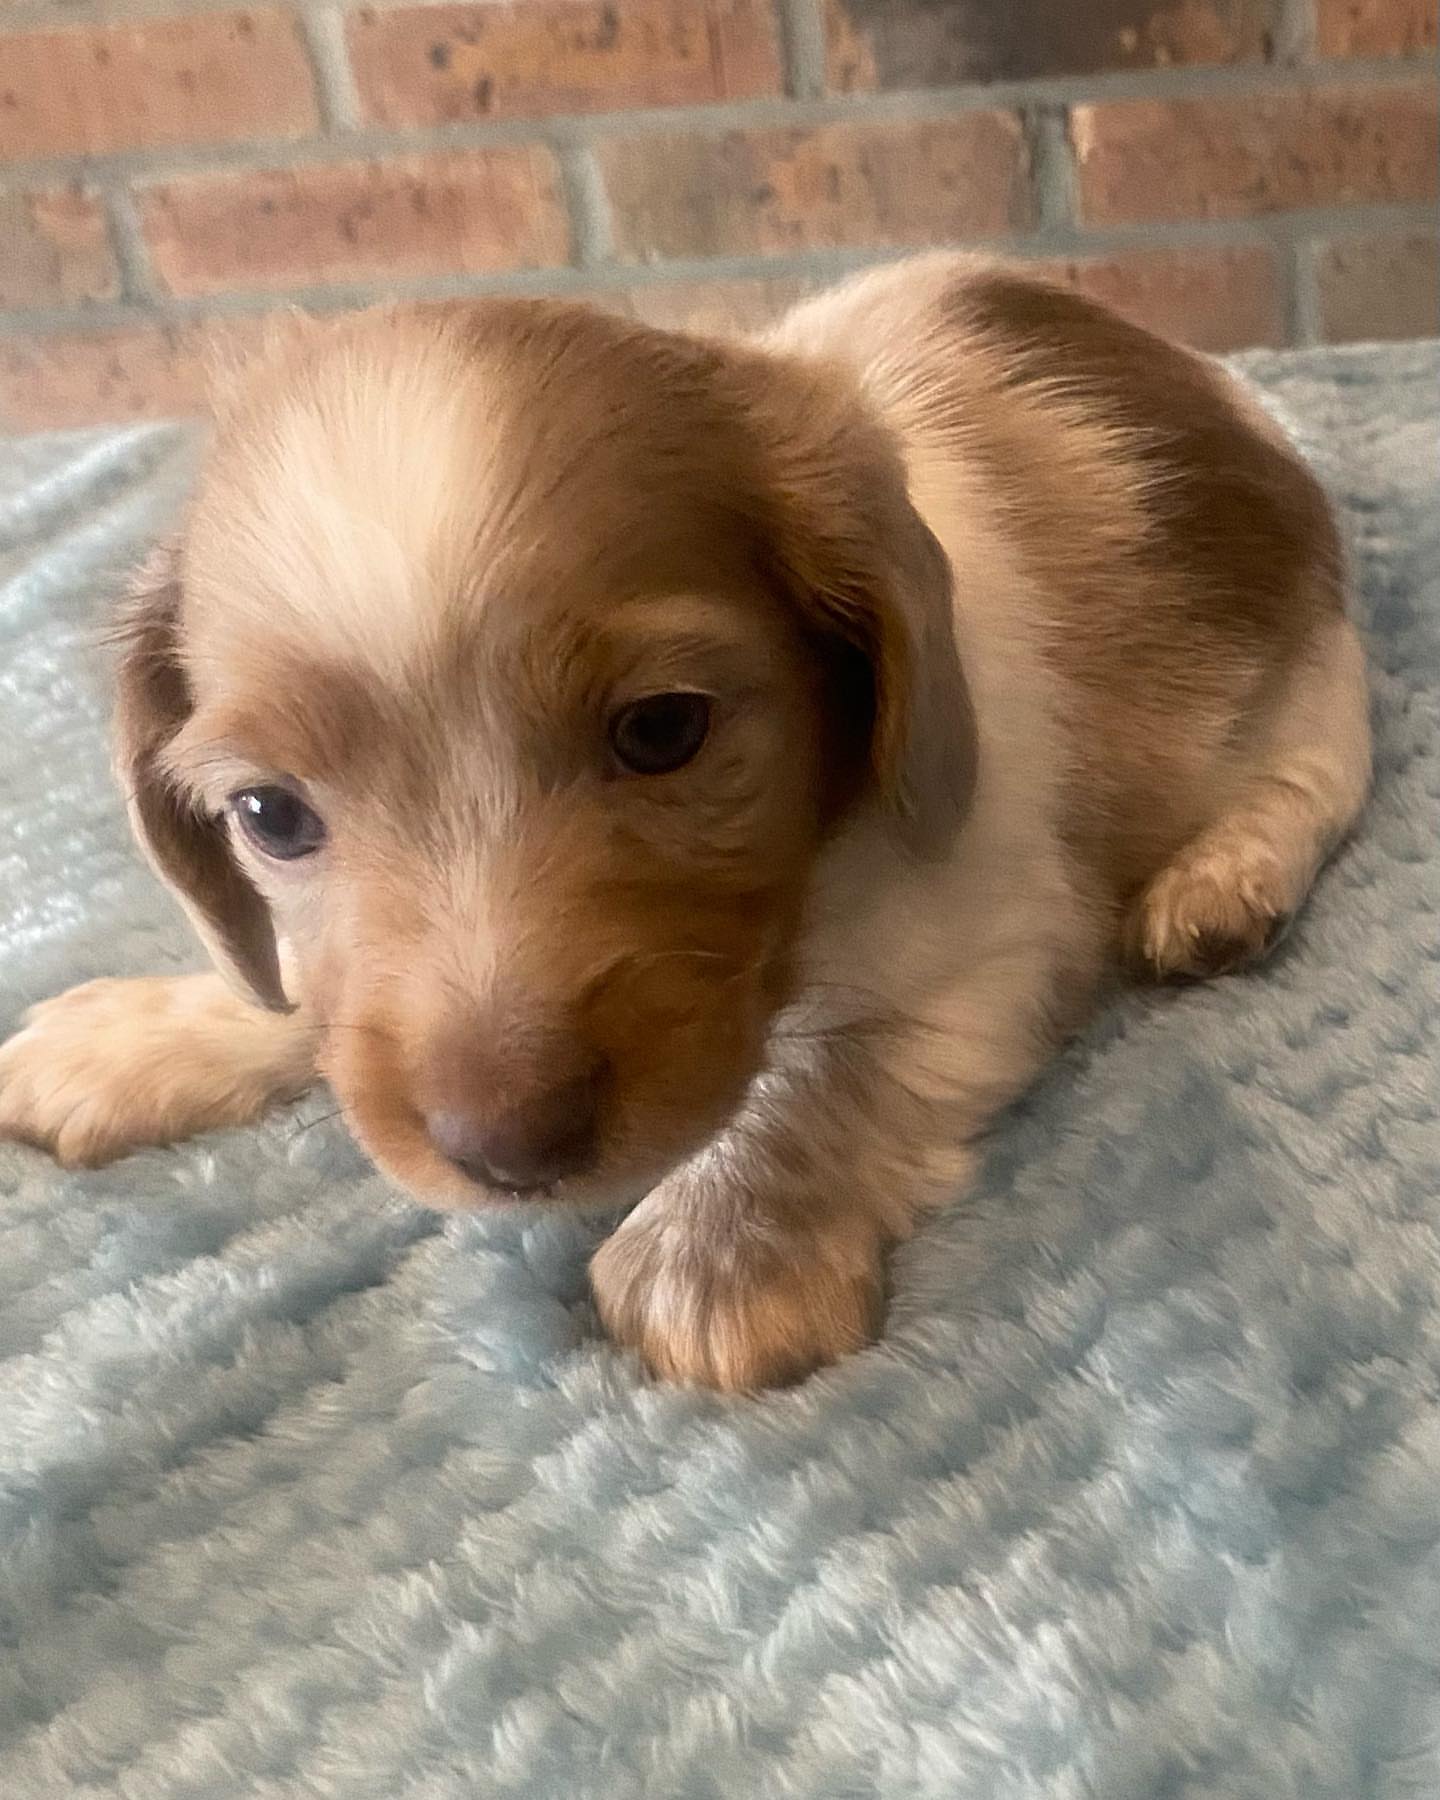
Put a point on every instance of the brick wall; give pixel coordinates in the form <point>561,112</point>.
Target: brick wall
<point>1233,171</point>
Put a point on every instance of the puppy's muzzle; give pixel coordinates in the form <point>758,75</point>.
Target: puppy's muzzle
<point>520,1136</point>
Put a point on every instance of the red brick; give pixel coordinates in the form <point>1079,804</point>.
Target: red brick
<point>55,250</point>
<point>917,43</point>
<point>1224,299</point>
<point>427,65</point>
<point>101,377</point>
<point>890,182</point>
<point>456,213</point>
<point>1176,159</point>
<point>211,78</point>
<point>1380,288</point>
<point>1375,27</point>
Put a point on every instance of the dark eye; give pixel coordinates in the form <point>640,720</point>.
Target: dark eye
<point>277,822</point>
<point>661,733</point>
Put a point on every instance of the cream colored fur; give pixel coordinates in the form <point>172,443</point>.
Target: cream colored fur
<point>112,1065</point>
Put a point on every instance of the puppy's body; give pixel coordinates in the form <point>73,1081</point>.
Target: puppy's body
<point>1025,641</point>
<point>1149,603</point>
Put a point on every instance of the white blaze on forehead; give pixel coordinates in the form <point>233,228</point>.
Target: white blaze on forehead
<point>342,512</point>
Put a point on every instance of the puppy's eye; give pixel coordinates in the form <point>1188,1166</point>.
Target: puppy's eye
<point>277,822</point>
<point>660,733</point>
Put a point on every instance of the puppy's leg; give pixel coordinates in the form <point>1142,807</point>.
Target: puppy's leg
<point>754,1263</point>
<point>112,1065</point>
<point>763,1257</point>
<point>1231,891</point>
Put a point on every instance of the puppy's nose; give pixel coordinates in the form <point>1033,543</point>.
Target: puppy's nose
<point>529,1144</point>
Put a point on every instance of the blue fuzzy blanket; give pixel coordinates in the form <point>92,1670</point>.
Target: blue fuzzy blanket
<point>304,1492</point>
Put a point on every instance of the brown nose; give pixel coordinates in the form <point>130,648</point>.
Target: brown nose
<point>528,1144</point>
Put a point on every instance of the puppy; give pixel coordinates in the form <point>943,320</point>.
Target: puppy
<point>632,767</point>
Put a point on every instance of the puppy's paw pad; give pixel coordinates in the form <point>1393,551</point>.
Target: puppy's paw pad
<point>704,1316</point>
<point>1210,913</point>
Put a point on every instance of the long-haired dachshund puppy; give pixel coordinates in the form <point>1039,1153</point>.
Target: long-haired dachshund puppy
<point>637,767</point>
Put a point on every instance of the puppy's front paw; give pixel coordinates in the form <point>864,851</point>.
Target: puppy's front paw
<point>111,1065</point>
<point>741,1306</point>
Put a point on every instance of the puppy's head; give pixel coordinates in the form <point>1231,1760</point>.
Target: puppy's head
<point>514,667</point>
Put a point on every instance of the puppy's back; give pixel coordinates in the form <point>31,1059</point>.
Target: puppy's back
<point>1182,555</point>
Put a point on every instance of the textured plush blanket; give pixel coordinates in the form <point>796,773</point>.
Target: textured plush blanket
<point>306,1492</point>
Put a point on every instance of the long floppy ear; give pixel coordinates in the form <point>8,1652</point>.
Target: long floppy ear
<point>187,848</point>
<point>869,575</point>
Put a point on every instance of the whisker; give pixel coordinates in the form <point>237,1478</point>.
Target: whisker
<point>878,1020</point>
<point>310,1124</point>
<point>644,959</point>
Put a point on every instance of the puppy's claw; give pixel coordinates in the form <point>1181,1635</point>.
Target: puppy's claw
<point>1211,911</point>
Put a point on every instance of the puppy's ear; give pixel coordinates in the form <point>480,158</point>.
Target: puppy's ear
<point>187,848</point>
<point>871,579</point>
